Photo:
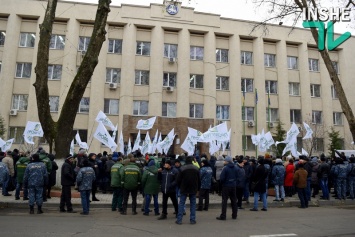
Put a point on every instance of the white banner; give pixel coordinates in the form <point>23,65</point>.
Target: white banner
<point>269,141</point>
<point>304,152</point>
<point>129,147</point>
<point>188,145</point>
<point>136,145</point>
<point>167,142</point>
<point>71,150</point>
<point>121,143</point>
<point>146,144</point>
<point>114,133</point>
<point>217,133</point>
<point>291,146</point>
<point>33,129</point>
<point>6,145</point>
<point>309,131</point>
<point>81,144</point>
<point>101,117</point>
<point>146,124</point>
<point>291,134</point>
<point>158,148</point>
<point>2,143</point>
<point>262,142</point>
<point>104,137</point>
<point>154,144</point>
<point>213,147</point>
<point>28,139</point>
<point>194,135</point>
<point>225,143</point>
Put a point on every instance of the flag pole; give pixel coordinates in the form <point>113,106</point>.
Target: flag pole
<point>268,110</point>
<point>244,142</point>
<point>256,119</point>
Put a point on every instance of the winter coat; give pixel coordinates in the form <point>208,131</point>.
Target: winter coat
<point>290,169</point>
<point>85,178</point>
<point>351,170</point>
<point>323,170</point>
<point>21,165</point>
<point>93,164</point>
<point>219,166</point>
<point>300,178</point>
<point>35,175</point>
<point>340,171</point>
<point>278,174</point>
<point>229,175</point>
<point>116,175</point>
<point>67,175</point>
<point>248,171</point>
<point>188,180</point>
<point>10,164</point>
<point>206,174</point>
<point>168,180</point>
<point>260,176</point>
<point>131,177</point>
<point>44,158</point>
<point>4,172</point>
<point>150,182</point>
<point>240,183</point>
<point>53,175</point>
<point>315,168</point>
<point>109,165</point>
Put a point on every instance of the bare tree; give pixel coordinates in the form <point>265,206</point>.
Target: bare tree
<point>280,10</point>
<point>70,107</point>
<point>312,145</point>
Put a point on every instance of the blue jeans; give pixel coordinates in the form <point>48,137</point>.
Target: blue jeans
<point>303,197</point>
<point>85,200</point>
<point>279,189</point>
<point>182,202</point>
<point>256,199</point>
<point>178,196</point>
<point>352,187</point>
<point>324,187</point>
<point>18,189</point>
<point>308,189</point>
<point>246,190</point>
<point>148,198</point>
<point>4,185</point>
<point>35,194</point>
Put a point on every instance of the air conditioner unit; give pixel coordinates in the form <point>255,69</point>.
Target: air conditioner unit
<point>172,60</point>
<point>83,53</point>
<point>13,112</point>
<point>170,89</point>
<point>271,124</point>
<point>251,123</point>
<point>113,86</point>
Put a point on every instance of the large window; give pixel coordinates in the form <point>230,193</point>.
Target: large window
<point>168,109</point>
<point>222,112</point>
<point>295,116</point>
<point>337,118</point>
<point>222,83</point>
<point>294,88</point>
<point>271,87</point>
<point>315,90</point>
<point>313,65</point>
<point>57,42</point>
<point>272,114</point>
<point>141,77</point>
<point>319,144</point>
<point>248,143</point>
<point>247,113</point>
<point>317,117</point>
<point>83,43</point>
<point>196,110</point>
<point>222,55</point>
<point>334,93</point>
<point>17,134</point>
<point>54,72</point>
<point>169,79</point>
<point>111,106</point>
<point>335,66</point>
<point>170,50</point>
<point>247,85</point>
<point>270,60</point>
<point>54,103</point>
<point>143,48</point>
<point>2,38</point>
<point>196,53</point>
<point>246,58</point>
<point>292,62</point>
<point>23,70</point>
<point>113,75</point>
<point>196,81</point>
<point>19,102</point>
<point>27,40</point>
<point>84,105</point>
<point>140,107</point>
<point>114,46</point>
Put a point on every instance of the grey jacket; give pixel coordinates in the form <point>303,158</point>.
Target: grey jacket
<point>85,177</point>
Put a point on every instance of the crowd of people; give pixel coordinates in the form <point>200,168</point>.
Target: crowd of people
<point>193,177</point>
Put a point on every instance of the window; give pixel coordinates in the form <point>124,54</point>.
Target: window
<point>222,83</point>
<point>114,46</point>
<point>318,144</point>
<point>27,40</point>
<point>269,60</point>
<point>313,65</point>
<point>57,42</point>
<point>54,72</point>
<point>271,87</point>
<point>111,106</point>
<point>141,77</point>
<point>196,110</point>
<point>53,103</point>
<point>294,88</point>
<point>169,110</point>
<point>335,66</point>
<point>247,85</point>
<point>84,105</point>
<point>222,112</point>
<point>83,43</point>
<point>169,79</point>
<point>196,53</point>
<point>315,90</point>
<point>23,70</point>
<point>292,62</point>
<point>113,75</point>
<point>82,133</point>
<point>246,58</point>
<point>196,81</point>
<point>222,55</point>
<point>140,107</point>
<point>334,93</point>
<point>19,102</point>
<point>337,118</point>
<point>295,116</point>
<point>17,133</point>
<point>272,115</point>
<point>316,117</point>
<point>247,113</point>
<point>247,143</point>
<point>170,50</point>
<point>2,38</point>
<point>143,48</point>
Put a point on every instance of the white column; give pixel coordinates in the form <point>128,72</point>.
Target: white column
<point>305,82</point>
<point>209,82</point>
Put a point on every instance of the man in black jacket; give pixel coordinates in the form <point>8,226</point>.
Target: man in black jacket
<point>67,180</point>
<point>323,175</point>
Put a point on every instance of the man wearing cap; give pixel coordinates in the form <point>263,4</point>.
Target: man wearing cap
<point>116,176</point>
<point>8,161</point>
<point>67,180</point>
<point>278,179</point>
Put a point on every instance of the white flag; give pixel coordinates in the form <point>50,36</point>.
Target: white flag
<point>304,152</point>
<point>167,142</point>
<point>291,146</point>
<point>309,131</point>
<point>136,145</point>
<point>121,143</point>
<point>81,144</point>
<point>2,143</point>
<point>28,139</point>
<point>104,137</point>
<point>269,141</point>
<point>101,117</point>
<point>213,147</point>
<point>225,143</point>
<point>6,145</point>
<point>129,147</point>
<point>194,135</point>
<point>154,144</point>
<point>33,129</point>
<point>71,150</point>
<point>146,124</point>
<point>255,139</point>
<point>114,133</point>
<point>291,134</point>
<point>158,148</point>
<point>188,145</point>
<point>146,144</point>
<point>217,133</point>
<point>262,145</point>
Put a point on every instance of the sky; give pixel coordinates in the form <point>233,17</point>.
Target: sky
<point>237,9</point>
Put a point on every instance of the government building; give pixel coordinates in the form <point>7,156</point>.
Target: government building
<point>188,68</point>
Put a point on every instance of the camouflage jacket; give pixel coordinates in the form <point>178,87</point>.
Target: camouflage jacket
<point>85,177</point>
<point>35,175</point>
<point>4,172</point>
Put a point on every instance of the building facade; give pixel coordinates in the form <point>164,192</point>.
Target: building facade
<point>188,68</point>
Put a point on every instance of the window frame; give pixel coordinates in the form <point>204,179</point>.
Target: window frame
<point>338,118</point>
<point>221,110</point>
<point>314,119</point>
<point>194,78</point>
<point>271,113</point>
<point>22,70</point>
<point>313,90</point>
<point>22,104</point>
<point>57,45</point>
<point>168,111</point>
<point>55,105</point>
<point>2,38</point>
<point>142,49</point>
<point>193,53</point>
<point>311,64</point>
<point>85,44</point>
<point>167,76</point>
<point>245,85</point>
<point>193,108</point>
<point>268,87</point>
<point>170,52</point>
<point>293,115</point>
<point>28,41</point>
<point>243,57</point>
<point>336,66</point>
<point>291,88</point>
<point>84,106</point>
<point>290,66</point>
<point>247,143</point>
<point>140,103</point>
<point>245,113</point>
<point>52,67</point>
<point>268,62</point>
<point>17,134</point>
<point>219,55</point>
<point>110,112</point>
<point>110,71</point>
<point>219,80</point>
<point>138,75</point>
<point>334,93</point>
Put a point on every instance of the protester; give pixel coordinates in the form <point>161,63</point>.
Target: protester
<point>93,164</point>
<point>4,173</point>
<point>300,181</point>
<point>150,184</point>
<point>340,172</point>
<point>240,184</point>
<point>48,163</point>
<point>206,174</point>
<point>314,177</point>
<point>323,175</point>
<point>116,184</point>
<point>67,181</point>
<point>248,169</point>
<point>259,178</point>
<point>52,178</point>
<point>290,169</point>
<point>278,178</point>
<point>351,177</point>
<point>21,166</point>
<point>219,166</point>
<point>8,161</point>
<point>85,179</point>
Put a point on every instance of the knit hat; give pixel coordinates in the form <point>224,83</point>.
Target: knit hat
<point>151,163</point>
<point>228,159</point>
<point>68,157</point>
<point>278,161</point>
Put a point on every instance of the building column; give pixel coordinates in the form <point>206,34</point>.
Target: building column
<point>306,105</point>
<point>209,81</point>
